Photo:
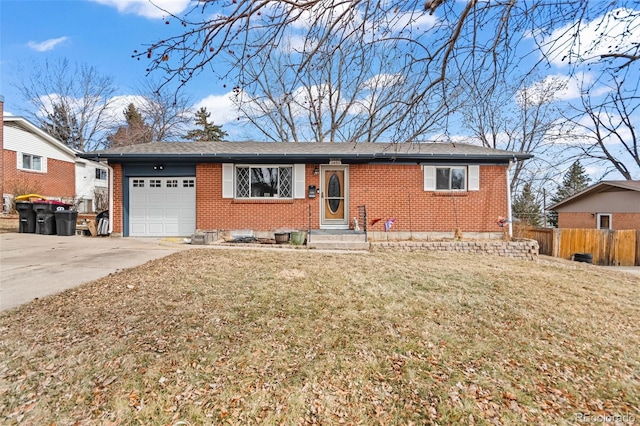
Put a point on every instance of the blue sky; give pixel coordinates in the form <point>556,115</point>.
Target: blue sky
<point>90,32</point>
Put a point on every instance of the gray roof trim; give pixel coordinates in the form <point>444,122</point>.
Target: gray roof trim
<point>304,151</point>
<point>631,185</point>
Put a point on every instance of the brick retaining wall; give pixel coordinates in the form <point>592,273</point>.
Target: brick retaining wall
<point>518,249</point>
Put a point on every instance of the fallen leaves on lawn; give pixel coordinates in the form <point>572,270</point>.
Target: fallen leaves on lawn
<point>243,337</point>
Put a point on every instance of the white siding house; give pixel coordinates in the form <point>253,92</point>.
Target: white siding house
<point>34,150</point>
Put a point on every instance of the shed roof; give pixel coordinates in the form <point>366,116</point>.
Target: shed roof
<point>604,186</point>
<point>304,151</point>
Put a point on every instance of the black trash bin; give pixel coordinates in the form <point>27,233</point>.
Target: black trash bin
<point>66,222</point>
<point>45,215</point>
<point>27,217</point>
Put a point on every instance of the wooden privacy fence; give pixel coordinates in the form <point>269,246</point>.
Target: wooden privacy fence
<point>621,248</point>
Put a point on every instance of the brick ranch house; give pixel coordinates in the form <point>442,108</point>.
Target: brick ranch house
<point>613,204</point>
<point>174,189</point>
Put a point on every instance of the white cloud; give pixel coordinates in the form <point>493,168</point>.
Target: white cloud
<point>222,108</point>
<point>147,8</point>
<point>45,46</point>
<point>584,41</point>
<point>118,104</point>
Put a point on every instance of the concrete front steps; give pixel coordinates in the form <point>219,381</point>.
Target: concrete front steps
<point>337,240</point>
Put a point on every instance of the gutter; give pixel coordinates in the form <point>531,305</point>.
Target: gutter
<point>111,176</point>
<point>226,157</point>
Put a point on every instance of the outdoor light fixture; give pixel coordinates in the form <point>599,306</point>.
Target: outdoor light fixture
<point>158,167</point>
<point>315,170</point>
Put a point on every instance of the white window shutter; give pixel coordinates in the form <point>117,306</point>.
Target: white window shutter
<point>227,180</point>
<point>474,178</point>
<point>299,190</point>
<point>429,178</point>
<point>43,164</point>
<point>19,158</point>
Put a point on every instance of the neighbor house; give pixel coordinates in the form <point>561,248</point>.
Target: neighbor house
<point>613,204</point>
<point>35,162</point>
<point>174,189</point>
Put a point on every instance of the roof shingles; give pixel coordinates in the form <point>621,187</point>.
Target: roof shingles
<point>274,149</point>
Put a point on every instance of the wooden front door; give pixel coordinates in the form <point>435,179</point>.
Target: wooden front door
<point>334,197</point>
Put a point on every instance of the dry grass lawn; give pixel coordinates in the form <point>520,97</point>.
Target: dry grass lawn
<point>277,337</point>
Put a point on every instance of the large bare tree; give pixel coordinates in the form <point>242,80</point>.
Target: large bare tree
<point>522,117</point>
<point>358,93</point>
<point>166,112</point>
<point>604,126</point>
<point>431,34</point>
<point>72,101</point>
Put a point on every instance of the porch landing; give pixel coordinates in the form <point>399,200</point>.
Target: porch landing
<point>341,239</point>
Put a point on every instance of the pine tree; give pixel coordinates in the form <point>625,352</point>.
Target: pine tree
<point>526,208</point>
<point>63,125</point>
<point>209,131</point>
<point>135,132</point>
<point>574,181</point>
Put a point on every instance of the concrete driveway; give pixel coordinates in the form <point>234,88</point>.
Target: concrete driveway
<point>34,265</point>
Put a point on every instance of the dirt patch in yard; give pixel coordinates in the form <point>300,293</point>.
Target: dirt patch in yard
<point>209,336</point>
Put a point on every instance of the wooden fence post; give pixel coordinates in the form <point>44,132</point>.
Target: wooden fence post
<point>555,242</point>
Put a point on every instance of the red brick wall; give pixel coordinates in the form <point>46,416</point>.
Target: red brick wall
<point>215,212</point>
<point>388,191</point>
<point>2,178</point>
<point>58,181</point>
<point>585,220</point>
<point>626,220</point>
<point>116,214</point>
<point>391,191</point>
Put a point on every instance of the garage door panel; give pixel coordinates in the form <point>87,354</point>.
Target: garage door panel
<point>138,213</point>
<point>173,213</point>
<point>138,228</point>
<point>162,206</point>
<point>155,229</point>
<point>172,229</point>
<point>156,198</point>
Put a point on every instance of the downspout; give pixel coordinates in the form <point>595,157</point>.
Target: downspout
<point>110,198</point>
<point>509,221</point>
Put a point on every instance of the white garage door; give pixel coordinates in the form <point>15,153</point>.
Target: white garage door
<point>162,206</point>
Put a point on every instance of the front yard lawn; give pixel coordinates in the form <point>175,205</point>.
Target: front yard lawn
<point>209,336</point>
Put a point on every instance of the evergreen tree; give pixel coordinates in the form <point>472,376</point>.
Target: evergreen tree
<point>135,132</point>
<point>526,208</point>
<point>62,124</point>
<point>574,181</point>
<point>209,131</point>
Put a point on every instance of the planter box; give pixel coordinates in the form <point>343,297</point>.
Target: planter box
<point>282,237</point>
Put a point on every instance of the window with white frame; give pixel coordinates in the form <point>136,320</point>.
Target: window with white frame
<point>32,162</point>
<point>451,178</point>
<point>604,221</point>
<point>264,181</point>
